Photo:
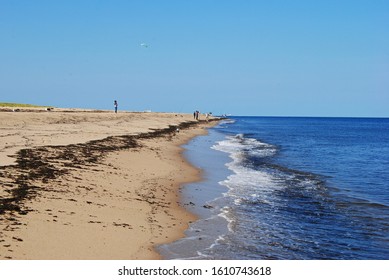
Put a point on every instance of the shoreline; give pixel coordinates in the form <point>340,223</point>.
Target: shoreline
<point>110,198</point>
<point>201,198</point>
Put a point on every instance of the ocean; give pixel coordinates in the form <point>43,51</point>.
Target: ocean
<point>288,188</point>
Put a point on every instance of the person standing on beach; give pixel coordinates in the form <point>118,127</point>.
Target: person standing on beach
<point>115,104</point>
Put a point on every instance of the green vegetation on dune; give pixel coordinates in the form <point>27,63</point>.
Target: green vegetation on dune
<point>4,104</point>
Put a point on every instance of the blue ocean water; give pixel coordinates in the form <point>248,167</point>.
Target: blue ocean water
<point>289,188</point>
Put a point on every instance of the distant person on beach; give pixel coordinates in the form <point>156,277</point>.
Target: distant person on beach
<point>194,114</point>
<point>197,115</point>
<point>115,104</point>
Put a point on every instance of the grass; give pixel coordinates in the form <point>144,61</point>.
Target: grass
<point>4,104</point>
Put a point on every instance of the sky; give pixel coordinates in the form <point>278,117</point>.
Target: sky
<point>240,57</point>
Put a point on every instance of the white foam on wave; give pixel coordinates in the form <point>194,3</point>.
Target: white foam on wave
<point>241,184</point>
<point>249,184</point>
<point>220,239</point>
<point>239,146</point>
<point>225,215</point>
<point>245,178</point>
<point>228,121</point>
<point>245,183</point>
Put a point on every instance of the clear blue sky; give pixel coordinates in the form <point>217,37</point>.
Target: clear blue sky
<point>272,58</point>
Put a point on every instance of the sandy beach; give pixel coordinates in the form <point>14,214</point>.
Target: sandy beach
<point>92,184</point>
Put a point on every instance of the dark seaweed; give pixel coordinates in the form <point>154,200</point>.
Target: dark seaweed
<point>48,163</point>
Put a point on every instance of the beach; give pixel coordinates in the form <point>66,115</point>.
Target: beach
<point>86,184</point>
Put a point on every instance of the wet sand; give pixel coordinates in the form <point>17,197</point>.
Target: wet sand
<point>92,185</point>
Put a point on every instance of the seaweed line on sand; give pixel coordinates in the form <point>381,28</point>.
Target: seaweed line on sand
<point>44,164</point>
